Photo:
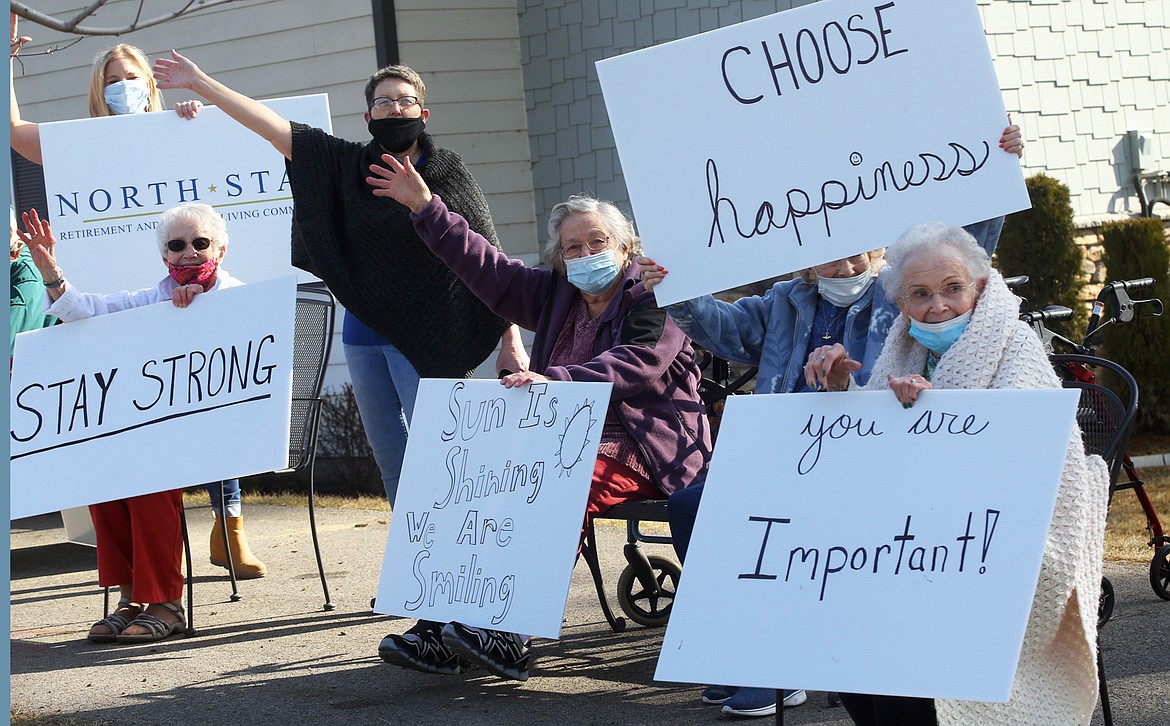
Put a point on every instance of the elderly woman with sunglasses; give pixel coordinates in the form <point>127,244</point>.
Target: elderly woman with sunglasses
<point>593,321</point>
<point>959,329</point>
<point>139,540</point>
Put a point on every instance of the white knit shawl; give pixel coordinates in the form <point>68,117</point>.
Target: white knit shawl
<point>1056,678</point>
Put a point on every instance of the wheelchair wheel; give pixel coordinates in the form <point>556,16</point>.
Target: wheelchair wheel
<point>1160,572</point>
<point>1105,604</point>
<point>643,607</point>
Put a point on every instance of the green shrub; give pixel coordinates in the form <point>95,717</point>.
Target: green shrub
<point>1038,242</point>
<point>1137,248</point>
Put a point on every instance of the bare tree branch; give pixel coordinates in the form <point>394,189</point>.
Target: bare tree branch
<point>74,25</point>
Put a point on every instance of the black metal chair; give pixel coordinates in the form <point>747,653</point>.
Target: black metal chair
<point>1105,415</point>
<point>312,342</point>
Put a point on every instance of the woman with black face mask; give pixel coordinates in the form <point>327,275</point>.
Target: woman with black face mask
<point>407,316</point>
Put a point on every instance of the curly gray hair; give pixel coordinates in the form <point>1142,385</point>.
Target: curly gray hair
<point>929,237</point>
<point>619,225</point>
<point>194,212</point>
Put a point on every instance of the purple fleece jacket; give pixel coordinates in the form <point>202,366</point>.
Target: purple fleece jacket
<point>638,347</point>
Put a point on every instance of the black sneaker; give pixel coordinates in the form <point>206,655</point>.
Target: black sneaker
<point>502,653</point>
<point>420,648</point>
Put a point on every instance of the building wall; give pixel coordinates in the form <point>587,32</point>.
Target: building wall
<point>1077,75</point>
<point>468,52</point>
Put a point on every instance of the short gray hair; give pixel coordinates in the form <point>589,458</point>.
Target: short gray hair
<point>930,237</point>
<point>197,213</point>
<point>618,224</point>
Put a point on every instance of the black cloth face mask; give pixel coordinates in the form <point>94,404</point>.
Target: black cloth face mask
<point>396,134</point>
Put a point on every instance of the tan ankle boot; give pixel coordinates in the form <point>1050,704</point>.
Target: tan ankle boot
<point>246,564</point>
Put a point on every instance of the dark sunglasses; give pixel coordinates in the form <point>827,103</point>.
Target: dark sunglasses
<point>178,245</point>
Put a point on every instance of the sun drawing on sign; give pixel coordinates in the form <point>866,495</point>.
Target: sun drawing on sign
<point>575,437</point>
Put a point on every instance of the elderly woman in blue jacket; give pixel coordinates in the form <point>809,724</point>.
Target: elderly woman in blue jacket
<point>593,321</point>
<point>833,303</point>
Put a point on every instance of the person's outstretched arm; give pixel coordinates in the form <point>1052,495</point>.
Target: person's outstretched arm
<point>24,136</point>
<point>179,72</point>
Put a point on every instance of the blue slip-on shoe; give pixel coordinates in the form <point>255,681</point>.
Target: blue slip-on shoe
<point>752,702</point>
<point>716,695</point>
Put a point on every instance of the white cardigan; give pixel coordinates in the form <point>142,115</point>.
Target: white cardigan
<point>76,305</point>
<point>1056,679</point>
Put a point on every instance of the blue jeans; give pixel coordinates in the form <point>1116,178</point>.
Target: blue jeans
<point>231,495</point>
<point>384,385</point>
<point>681,509</point>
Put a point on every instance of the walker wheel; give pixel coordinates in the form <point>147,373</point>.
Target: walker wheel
<point>1105,604</point>
<point>643,607</point>
<point>1160,573</point>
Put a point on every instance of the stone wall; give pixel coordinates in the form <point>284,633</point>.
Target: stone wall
<point>1089,240</point>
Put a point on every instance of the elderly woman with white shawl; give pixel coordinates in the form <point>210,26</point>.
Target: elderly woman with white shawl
<point>959,328</point>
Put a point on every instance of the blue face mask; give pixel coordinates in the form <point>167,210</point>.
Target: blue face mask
<point>939,337</point>
<point>125,97</point>
<point>593,274</point>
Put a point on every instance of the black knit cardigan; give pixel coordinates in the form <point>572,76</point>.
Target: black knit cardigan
<point>367,252</point>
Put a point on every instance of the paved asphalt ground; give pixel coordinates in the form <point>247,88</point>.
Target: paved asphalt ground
<point>277,657</point>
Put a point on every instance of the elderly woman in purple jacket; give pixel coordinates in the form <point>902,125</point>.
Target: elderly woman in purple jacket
<point>593,321</point>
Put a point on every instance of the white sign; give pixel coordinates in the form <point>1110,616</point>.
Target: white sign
<point>868,548</point>
<point>104,211</point>
<point>152,398</point>
<point>807,136</point>
<point>492,499</point>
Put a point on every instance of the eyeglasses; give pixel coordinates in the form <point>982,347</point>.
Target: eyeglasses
<point>178,245</point>
<point>923,297</point>
<point>403,102</point>
<point>575,250</point>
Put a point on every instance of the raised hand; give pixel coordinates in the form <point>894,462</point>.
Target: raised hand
<point>175,72</point>
<point>42,245</point>
<point>400,182</point>
<point>16,41</point>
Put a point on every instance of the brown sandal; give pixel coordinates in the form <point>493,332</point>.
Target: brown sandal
<point>157,628</point>
<point>116,622</point>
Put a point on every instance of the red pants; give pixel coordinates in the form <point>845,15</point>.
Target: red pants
<point>614,483</point>
<point>140,543</point>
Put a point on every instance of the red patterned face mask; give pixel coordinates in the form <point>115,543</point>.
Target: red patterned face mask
<point>203,275</point>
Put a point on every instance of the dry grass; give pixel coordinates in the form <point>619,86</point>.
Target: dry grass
<point>197,497</point>
<point>19,718</point>
<point>1126,536</point>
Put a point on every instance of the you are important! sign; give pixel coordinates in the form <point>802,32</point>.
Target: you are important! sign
<point>491,503</point>
<point>869,548</point>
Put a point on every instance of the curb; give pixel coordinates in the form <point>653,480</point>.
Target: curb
<point>1152,460</point>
